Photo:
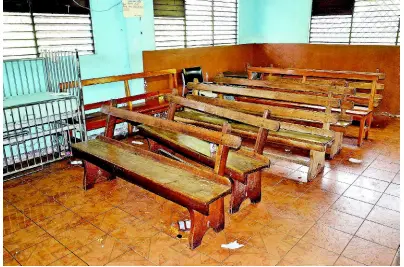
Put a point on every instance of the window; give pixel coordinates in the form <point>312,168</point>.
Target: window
<point>30,28</point>
<point>370,22</point>
<point>193,23</point>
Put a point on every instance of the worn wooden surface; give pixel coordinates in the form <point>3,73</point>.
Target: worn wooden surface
<point>290,97</point>
<point>227,113</point>
<point>238,165</point>
<point>168,178</point>
<point>339,74</point>
<point>286,137</point>
<point>285,84</point>
<point>208,135</point>
<point>275,111</point>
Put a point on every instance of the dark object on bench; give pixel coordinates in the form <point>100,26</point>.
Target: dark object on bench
<point>189,75</point>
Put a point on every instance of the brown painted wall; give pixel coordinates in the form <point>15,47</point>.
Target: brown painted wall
<point>339,57</point>
<point>334,57</point>
<point>213,60</point>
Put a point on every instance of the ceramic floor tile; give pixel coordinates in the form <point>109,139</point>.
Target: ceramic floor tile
<point>24,238</point>
<point>341,221</point>
<point>342,261</point>
<point>386,166</point>
<point>390,202</point>
<point>14,220</point>
<point>42,253</point>
<point>379,234</point>
<point>69,260</point>
<point>129,258</point>
<point>256,259</point>
<point>330,185</point>
<point>308,254</point>
<point>8,260</point>
<point>326,237</point>
<point>273,242</point>
<point>136,234</point>
<point>385,217</point>
<point>101,251</point>
<point>352,206</point>
<point>393,189</point>
<point>372,184</point>
<point>90,210</point>
<point>112,219</point>
<point>368,253</point>
<point>396,179</point>
<point>379,174</point>
<point>341,176</point>
<point>61,222</point>
<point>79,236</point>
<point>363,194</point>
<point>43,211</point>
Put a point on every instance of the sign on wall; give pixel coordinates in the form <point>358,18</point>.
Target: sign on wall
<point>133,8</point>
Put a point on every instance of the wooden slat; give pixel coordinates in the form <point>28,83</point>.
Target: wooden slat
<point>285,85</point>
<point>227,113</point>
<point>208,135</point>
<point>258,109</point>
<point>124,77</point>
<point>289,97</point>
<point>356,75</point>
<point>184,184</point>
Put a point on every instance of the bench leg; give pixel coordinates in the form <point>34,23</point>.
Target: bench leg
<point>317,162</point>
<point>337,145</point>
<point>238,195</point>
<point>368,124</point>
<point>92,173</point>
<point>240,191</point>
<point>254,187</point>
<point>201,223</point>
<point>362,126</point>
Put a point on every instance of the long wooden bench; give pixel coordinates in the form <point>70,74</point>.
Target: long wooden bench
<point>243,166</point>
<point>314,139</point>
<point>200,190</point>
<point>366,84</point>
<point>290,110</point>
<point>152,104</point>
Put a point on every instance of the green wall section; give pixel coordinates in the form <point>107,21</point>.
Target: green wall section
<point>119,43</point>
<point>274,21</point>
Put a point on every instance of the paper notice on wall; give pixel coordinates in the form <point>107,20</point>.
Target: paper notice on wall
<point>133,8</point>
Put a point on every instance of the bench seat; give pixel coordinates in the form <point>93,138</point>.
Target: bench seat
<point>282,133</point>
<point>153,172</point>
<point>239,164</point>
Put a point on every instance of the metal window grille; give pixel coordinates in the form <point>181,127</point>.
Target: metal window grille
<point>205,23</point>
<point>27,34</point>
<point>372,22</point>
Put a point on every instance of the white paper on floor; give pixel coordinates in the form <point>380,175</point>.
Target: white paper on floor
<point>357,161</point>
<point>232,245</point>
<point>76,162</point>
<point>137,142</point>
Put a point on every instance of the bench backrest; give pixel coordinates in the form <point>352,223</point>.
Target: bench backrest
<point>280,112</point>
<point>224,139</point>
<point>223,112</point>
<point>125,78</point>
<point>365,82</point>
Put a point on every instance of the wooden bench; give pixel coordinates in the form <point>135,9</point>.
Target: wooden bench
<point>243,166</point>
<point>314,139</point>
<point>366,84</point>
<point>152,103</point>
<point>290,110</point>
<point>200,190</point>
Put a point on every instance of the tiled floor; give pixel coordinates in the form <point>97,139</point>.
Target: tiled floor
<point>349,215</point>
